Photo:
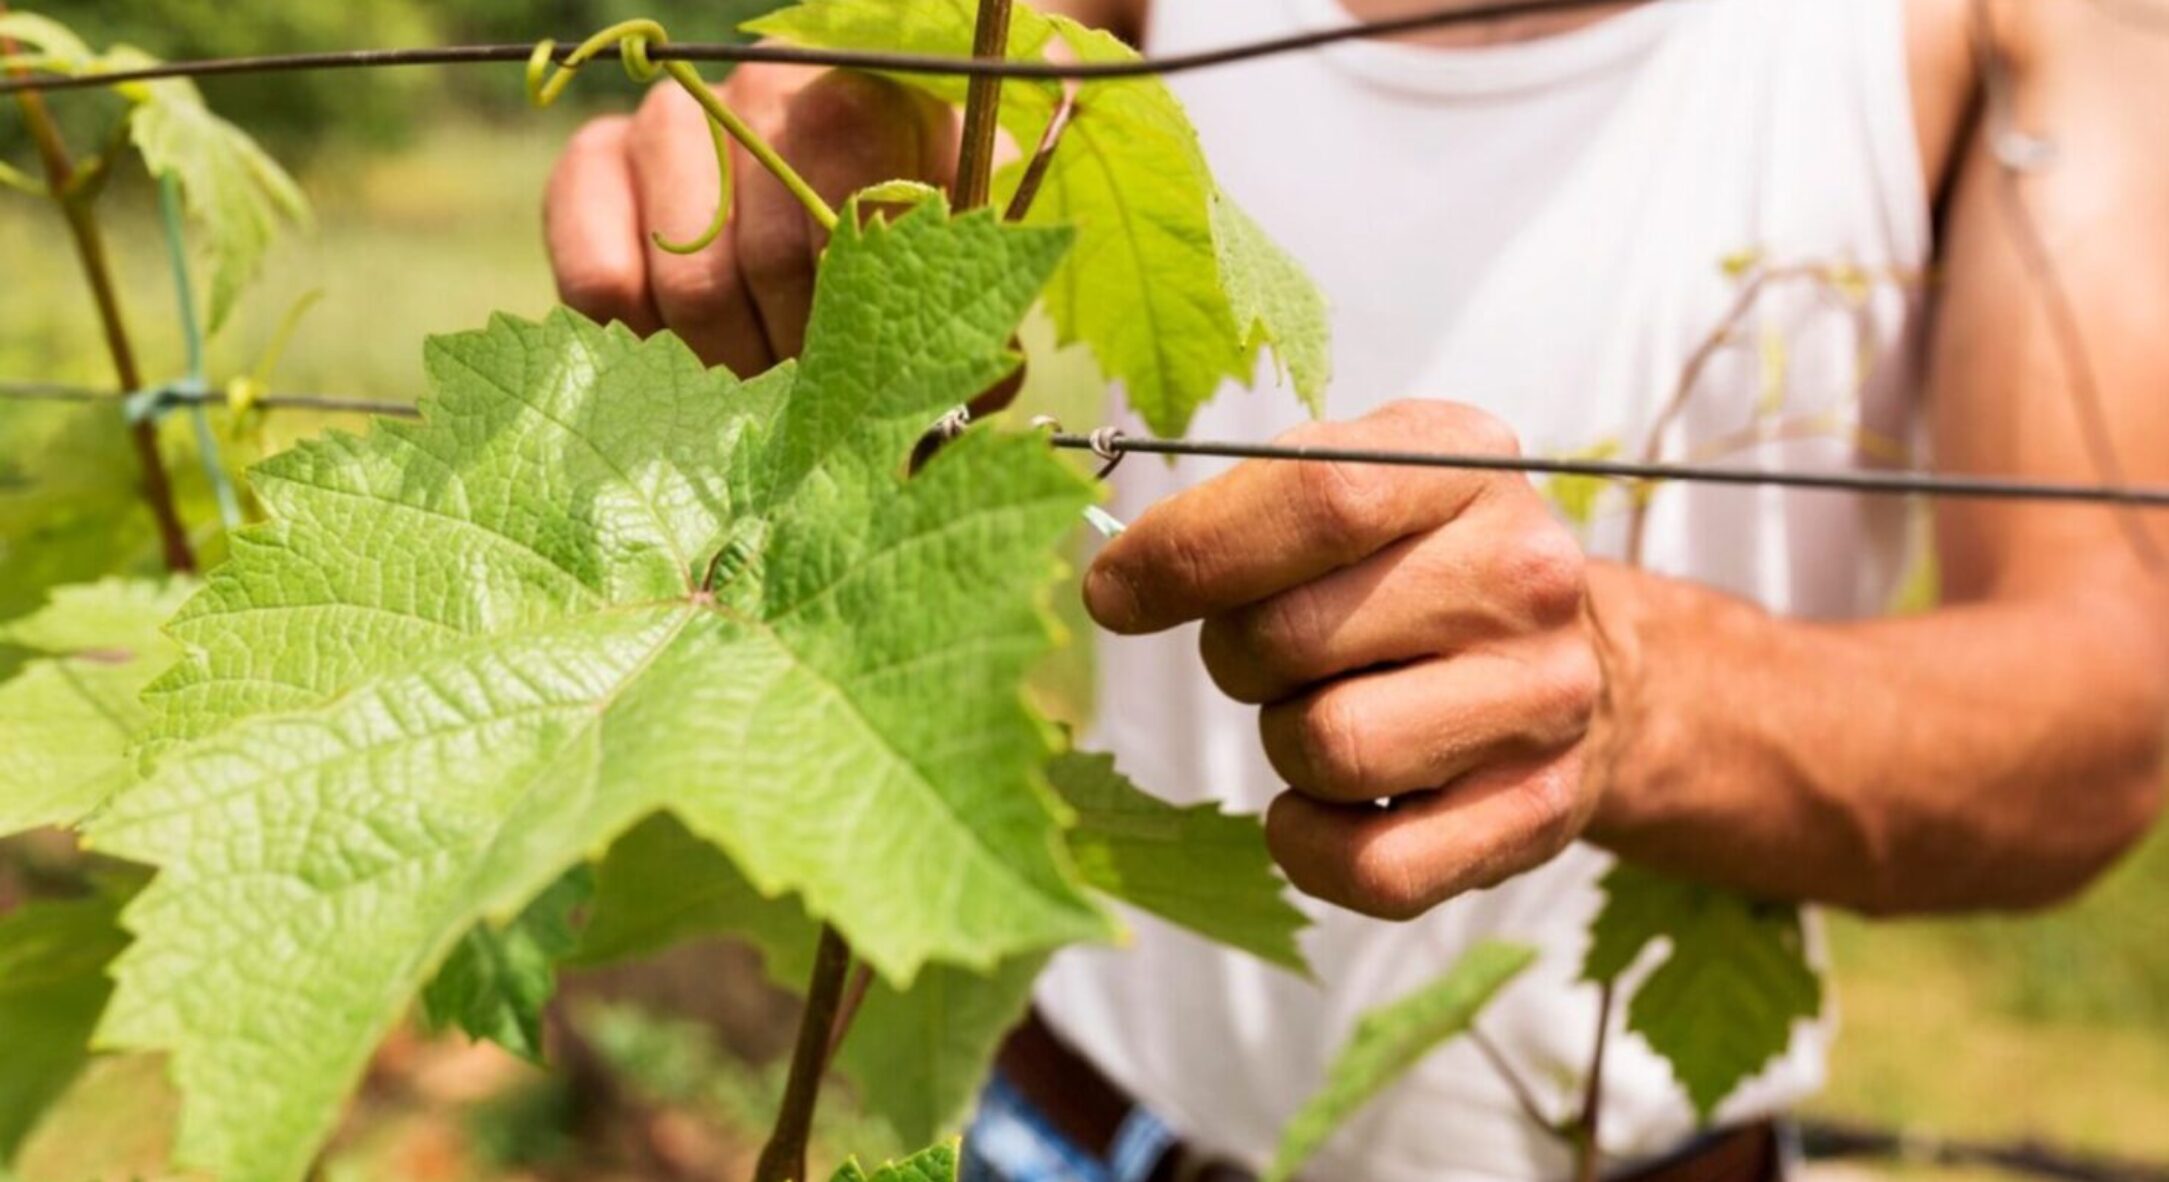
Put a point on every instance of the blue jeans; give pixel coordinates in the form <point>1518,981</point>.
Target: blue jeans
<point>1011,1140</point>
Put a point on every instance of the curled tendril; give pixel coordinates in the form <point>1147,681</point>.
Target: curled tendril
<point>632,40</point>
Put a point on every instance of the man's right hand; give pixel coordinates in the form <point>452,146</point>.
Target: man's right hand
<point>742,301</point>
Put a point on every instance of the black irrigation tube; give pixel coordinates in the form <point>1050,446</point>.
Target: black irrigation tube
<point>1110,444</point>
<point>1444,16</point>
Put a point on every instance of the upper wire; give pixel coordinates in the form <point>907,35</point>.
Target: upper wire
<point>1445,15</point>
<point>1109,445</point>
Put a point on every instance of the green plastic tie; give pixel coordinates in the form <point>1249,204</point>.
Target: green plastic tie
<point>194,385</point>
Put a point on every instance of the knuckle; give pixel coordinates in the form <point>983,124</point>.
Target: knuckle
<point>1278,636</point>
<point>1483,432</point>
<point>843,103</point>
<point>1329,733</point>
<point>1551,798</point>
<point>693,288</point>
<point>770,256</point>
<point>1228,659</point>
<point>1181,560</point>
<point>664,107</point>
<point>1343,500</point>
<point>598,139</point>
<point>600,292</point>
<point>1384,880</point>
<point>1546,570</point>
<point>1569,692</point>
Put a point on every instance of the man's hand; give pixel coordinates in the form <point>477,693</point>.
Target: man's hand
<point>1414,636</point>
<point>741,302</point>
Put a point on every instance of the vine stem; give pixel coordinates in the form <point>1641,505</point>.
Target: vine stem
<point>60,174</point>
<point>1588,1128</point>
<point>783,1159</point>
<point>982,108</point>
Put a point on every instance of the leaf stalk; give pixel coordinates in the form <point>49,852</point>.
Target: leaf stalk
<point>783,1159</point>
<point>83,229</point>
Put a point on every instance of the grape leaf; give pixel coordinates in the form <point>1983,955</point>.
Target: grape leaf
<point>52,987</point>
<point>235,192</point>
<point>1274,303</point>
<point>70,716</point>
<point>594,581</point>
<point>70,506</point>
<point>661,884</point>
<point>1390,1040</point>
<point>916,1055</point>
<point>1174,289</point>
<point>499,978</point>
<point>57,45</point>
<point>1196,867</point>
<point>935,28</point>
<point>1723,1001</point>
<point>919,1055</point>
<point>938,1164</point>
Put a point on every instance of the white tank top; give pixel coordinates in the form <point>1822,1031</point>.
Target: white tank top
<point>1540,229</point>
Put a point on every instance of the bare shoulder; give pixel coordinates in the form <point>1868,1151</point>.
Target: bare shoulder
<point>2108,59</point>
<point>1940,61</point>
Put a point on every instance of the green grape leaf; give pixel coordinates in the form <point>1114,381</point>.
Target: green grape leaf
<point>597,580</point>
<point>499,978</point>
<point>917,1056</point>
<point>1195,867</point>
<point>1143,288</point>
<point>1391,1040</point>
<point>938,1164</point>
<point>661,884</point>
<point>235,192</point>
<point>920,1055</point>
<point>52,988</point>
<point>61,51</point>
<point>936,28</point>
<point>1735,978</point>
<point>1172,287</point>
<point>1274,302</point>
<point>70,509</point>
<point>70,716</point>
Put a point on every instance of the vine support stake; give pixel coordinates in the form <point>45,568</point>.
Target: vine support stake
<point>783,1159</point>
<point>83,229</point>
<point>982,108</point>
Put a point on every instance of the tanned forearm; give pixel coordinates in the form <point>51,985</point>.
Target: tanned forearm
<point>1992,755</point>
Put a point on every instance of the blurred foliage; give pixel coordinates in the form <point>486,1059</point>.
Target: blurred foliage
<point>296,113</point>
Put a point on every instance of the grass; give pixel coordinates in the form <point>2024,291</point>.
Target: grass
<point>426,242</point>
<point>2053,1026</point>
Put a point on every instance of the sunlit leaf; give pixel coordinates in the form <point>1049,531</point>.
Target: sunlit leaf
<point>1733,980</point>
<point>1391,1040</point>
<point>598,580</point>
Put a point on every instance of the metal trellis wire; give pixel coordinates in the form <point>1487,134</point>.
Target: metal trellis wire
<point>1109,444</point>
<point>1443,16</point>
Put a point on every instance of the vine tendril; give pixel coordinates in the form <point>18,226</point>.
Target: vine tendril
<point>632,39</point>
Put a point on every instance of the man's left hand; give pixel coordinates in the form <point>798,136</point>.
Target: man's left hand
<point>1417,640</point>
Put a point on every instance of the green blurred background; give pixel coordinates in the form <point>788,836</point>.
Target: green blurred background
<point>426,185</point>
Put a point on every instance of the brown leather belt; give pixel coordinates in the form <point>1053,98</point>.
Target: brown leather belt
<point>1089,1109</point>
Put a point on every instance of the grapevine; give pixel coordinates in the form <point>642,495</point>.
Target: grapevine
<point>476,680</point>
